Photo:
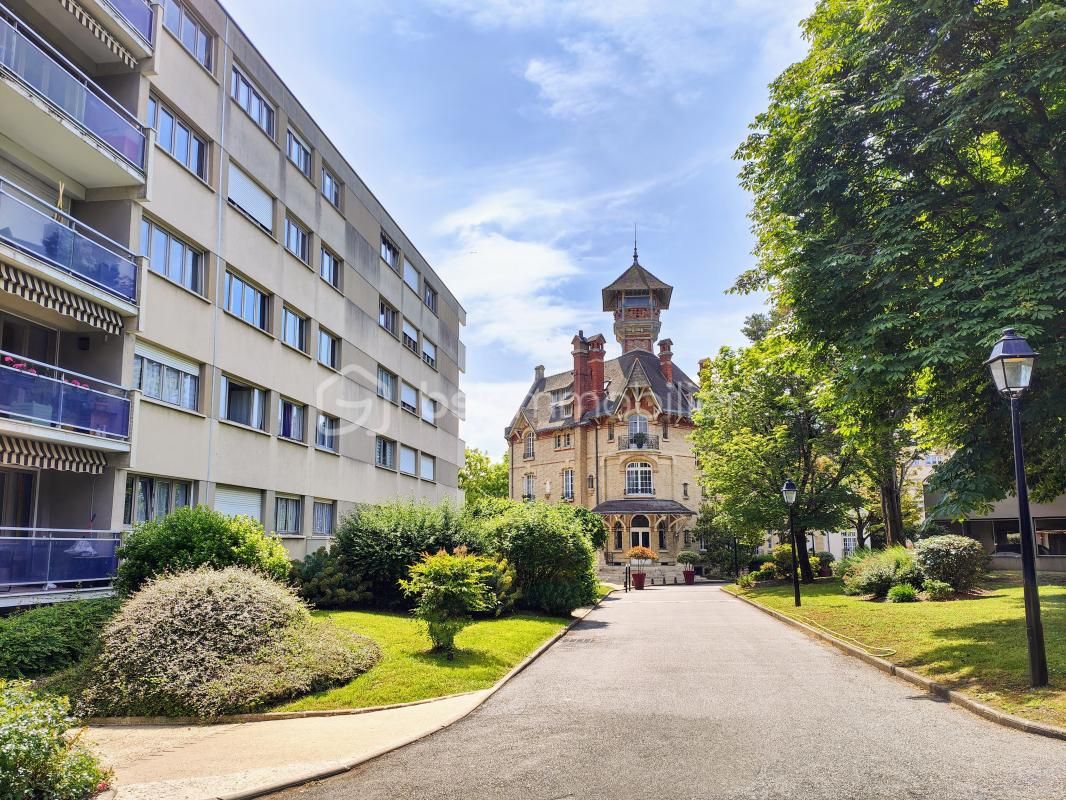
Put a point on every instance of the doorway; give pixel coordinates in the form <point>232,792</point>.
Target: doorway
<point>16,498</point>
<point>639,532</point>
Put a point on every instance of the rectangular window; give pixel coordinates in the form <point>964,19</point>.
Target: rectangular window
<point>410,337</point>
<point>298,240</point>
<point>299,153</point>
<point>171,384</point>
<point>291,418</point>
<point>410,275</point>
<point>386,385</point>
<point>390,253</point>
<point>294,329</point>
<point>252,100</point>
<point>331,188</point>
<point>610,431</point>
<point>429,297</point>
<point>529,492</point>
<point>245,301</point>
<point>287,514</point>
<point>250,198</point>
<point>177,137</point>
<point>150,498</point>
<point>429,410</point>
<point>330,268</point>
<point>388,318</point>
<point>429,352</point>
<point>190,32</point>
<point>568,484</point>
<point>408,460</point>
<point>243,404</point>
<point>172,257</point>
<point>326,432</point>
<point>322,518</point>
<point>408,397</point>
<point>427,468</point>
<point>385,453</point>
<point>329,348</point>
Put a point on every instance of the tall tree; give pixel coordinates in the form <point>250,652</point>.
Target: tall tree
<point>481,477</point>
<point>909,182</point>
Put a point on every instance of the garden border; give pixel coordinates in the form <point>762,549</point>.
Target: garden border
<point>938,690</point>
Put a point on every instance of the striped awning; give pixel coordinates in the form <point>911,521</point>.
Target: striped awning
<point>97,30</point>
<point>17,452</point>
<point>37,290</point>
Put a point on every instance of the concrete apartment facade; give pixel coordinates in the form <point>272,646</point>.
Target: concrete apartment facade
<point>614,435</point>
<point>202,302</point>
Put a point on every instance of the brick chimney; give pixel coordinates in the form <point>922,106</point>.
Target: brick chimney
<point>582,377</point>
<point>666,360</point>
<point>596,344</point>
<point>538,373</point>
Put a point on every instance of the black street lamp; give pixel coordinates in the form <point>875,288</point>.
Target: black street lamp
<point>1011,364</point>
<point>788,491</point>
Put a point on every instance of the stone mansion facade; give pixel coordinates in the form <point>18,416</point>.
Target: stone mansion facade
<point>614,435</point>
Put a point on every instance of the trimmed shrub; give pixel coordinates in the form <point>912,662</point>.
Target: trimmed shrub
<point>188,538</point>
<point>50,638</point>
<point>825,559</point>
<point>688,557</point>
<point>767,572</point>
<point>756,562</point>
<point>938,590</point>
<point>37,761</point>
<point>206,642</point>
<point>902,593</point>
<point>320,581</point>
<point>956,560</point>
<point>782,558</point>
<point>874,572</point>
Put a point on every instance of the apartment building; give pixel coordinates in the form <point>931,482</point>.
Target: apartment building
<point>202,302</point>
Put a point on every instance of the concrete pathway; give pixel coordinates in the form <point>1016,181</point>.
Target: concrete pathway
<point>688,693</point>
<point>163,762</point>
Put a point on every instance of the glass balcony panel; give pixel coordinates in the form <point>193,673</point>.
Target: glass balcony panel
<point>137,13</point>
<point>31,560</point>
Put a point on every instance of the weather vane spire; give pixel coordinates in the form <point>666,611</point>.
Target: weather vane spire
<point>634,243</point>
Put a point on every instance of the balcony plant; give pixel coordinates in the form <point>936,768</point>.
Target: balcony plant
<point>639,440</point>
<point>687,558</point>
<point>639,558</point>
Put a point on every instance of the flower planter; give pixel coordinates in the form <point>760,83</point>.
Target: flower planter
<point>638,580</point>
<point>690,576</point>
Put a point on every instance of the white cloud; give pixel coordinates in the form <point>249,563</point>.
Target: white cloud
<point>582,83</point>
<point>496,405</point>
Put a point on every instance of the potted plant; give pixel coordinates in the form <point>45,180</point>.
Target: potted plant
<point>687,558</point>
<point>639,558</point>
<point>639,440</point>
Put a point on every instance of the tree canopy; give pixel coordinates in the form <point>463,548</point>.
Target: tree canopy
<point>480,477</point>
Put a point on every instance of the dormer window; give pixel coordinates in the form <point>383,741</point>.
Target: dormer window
<point>638,424</point>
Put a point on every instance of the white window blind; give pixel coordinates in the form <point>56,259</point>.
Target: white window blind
<point>246,193</point>
<point>235,501</point>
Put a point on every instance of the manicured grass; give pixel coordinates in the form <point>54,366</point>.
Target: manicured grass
<point>976,645</point>
<point>487,650</point>
<point>602,590</point>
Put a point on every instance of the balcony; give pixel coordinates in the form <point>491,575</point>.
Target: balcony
<point>56,112</point>
<point>638,441</point>
<point>36,562</point>
<point>135,13</point>
<point>65,402</point>
<point>31,226</point>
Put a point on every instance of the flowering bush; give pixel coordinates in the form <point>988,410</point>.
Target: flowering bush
<point>206,643</point>
<point>36,760</point>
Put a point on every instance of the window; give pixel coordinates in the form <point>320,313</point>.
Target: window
<point>638,424</point>
<point>177,138</point>
<point>291,418</point>
<point>390,253</point>
<point>179,386</point>
<point>287,513</point>
<point>684,491</point>
<point>326,432</point>
<point>563,440</point>
<point>171,257</point>
<point>385,453</point>
<point>568,484</point>
<point>243,404</point>
<point>408,397</point>
<point>410,337</point>
<point>331,188</point>
<point>299,153</point>
<point>429,297</point>
<point>429,410</point>
<point>250,198</point>
<point>529,487</point>
<point>662,535</point>
<point>244,300</point>
<point>638,478</point>
<point>429,352</point>
<point>191,33</point>
<point>329,347</point>
<point>150,498</point>
<point>610,431</point>
<point>618,536</point>
<point>298,240</point>
<point>591,482</point>
<point>293,329</point>
<point>322,518</point>
<point>427,468</point>
<point>408,460</point>
<point>410,275</point>
<point>386,384</point>
<point>388,318</point>
<point>666,431</point>
<point>531,440</point>
<point>636,298</point>
<point>251,100</point>
<point>850,543</point>
<point>330,268</point>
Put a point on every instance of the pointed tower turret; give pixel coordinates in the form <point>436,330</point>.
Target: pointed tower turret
<point>636,297</point>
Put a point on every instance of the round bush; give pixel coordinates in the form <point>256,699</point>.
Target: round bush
<point>688,557</point>
<point>189,538</point>
<point>902,593</point>
<point>938,590</point>
<point>956,560</point>
<point>211,642</point>
<point>47,639</point>
<point>877,571</point>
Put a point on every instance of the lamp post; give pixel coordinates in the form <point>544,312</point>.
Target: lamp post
<point>788,491</point>
<point>1011,365</point>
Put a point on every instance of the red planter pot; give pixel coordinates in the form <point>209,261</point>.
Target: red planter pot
<point>638,580</point>
<point>690,576</point>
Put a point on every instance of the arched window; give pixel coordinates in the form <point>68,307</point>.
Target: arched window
<point>638,424</point>
<point>618,536</point>
<point>531,439</point>
<point>638,478</point>
<point>662,534</point>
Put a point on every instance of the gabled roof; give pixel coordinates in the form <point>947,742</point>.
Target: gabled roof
<point>636,277</point>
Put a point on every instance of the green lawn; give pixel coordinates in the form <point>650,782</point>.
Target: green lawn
<point>976,644</point>
<point>408,671</point>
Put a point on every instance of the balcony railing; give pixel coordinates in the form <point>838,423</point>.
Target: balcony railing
<point>33,62</point>
<point>31,225</point>
<point>46,395</point>
<point>49,560</point>
<point>137,13</point>
<point>638,441</point>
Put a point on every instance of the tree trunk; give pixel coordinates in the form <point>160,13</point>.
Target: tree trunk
<point>892,510</point>
<point>804,557</point>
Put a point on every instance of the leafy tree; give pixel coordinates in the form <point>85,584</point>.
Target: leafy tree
<point>481,477</point>
<point>716,541</point>
<point>592,525</point>
<point>909,182</point>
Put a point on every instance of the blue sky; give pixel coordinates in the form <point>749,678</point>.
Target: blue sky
<point>517,142</point>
